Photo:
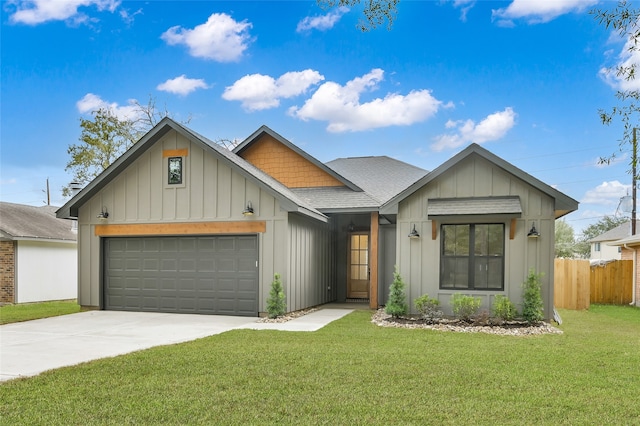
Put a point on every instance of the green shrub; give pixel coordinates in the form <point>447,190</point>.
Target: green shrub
<point>397,303</point>
<point>532,305</point>
<point>276,303</point>
<point>428,307</point>
<point>465,307</point>
<point>503,308</point>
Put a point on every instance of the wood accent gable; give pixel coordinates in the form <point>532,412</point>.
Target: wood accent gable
<point>195,228</point>
<point>175,152</point>
<point>285,165</point>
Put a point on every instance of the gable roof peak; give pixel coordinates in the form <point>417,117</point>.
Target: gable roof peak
<point>256,135</point>
<point>563,203</point>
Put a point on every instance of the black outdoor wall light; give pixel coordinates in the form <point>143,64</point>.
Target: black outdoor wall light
<point>248,211</point>
<point>104,214</point>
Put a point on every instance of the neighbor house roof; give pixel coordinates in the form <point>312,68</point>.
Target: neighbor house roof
<point>563,204</point>
<point>633,240</point>
<point>22,222</point>
<point>288,200</point>
<point>617,233</point>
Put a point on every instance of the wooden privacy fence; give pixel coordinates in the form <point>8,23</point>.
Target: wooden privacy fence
<point>577,284</point>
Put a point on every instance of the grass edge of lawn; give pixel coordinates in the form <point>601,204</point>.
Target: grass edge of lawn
<point>20,312</point>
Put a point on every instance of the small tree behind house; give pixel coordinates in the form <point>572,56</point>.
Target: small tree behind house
<point>276,303</point>
<point>397,303</point>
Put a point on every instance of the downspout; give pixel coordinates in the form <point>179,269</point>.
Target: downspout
<point>635,274</point>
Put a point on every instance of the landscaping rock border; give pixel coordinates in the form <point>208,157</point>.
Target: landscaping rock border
<point>383,319</point>
<point>288,316</point>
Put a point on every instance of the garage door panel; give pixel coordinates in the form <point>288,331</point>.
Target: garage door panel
<point>203,274</point>
<point>227,265</point>
<point>168,265</point>
<point>133,245</point>
<point>150,245</point>
<point>168,283</point>
<point>246,266</point>
<point>247,244</point>
<point>149,304</point>
<point>187,265</point>
<point>226,244</point>
<point>150,264</point>
<point>168,245</point>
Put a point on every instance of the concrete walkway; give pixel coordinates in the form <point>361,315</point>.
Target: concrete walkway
<point>32,347</point>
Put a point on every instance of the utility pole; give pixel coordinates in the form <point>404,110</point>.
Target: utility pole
<point>634,160</point>
<point>48,193</point>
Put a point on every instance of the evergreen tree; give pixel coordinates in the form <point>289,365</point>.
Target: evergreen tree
<point>276,303</point>
<point>397,303</point>
<point>532,305</point>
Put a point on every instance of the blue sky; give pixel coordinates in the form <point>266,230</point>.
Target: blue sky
<point>523,79</point>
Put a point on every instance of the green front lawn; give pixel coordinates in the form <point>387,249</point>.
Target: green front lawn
<point>31,311</point>
<point>353,372</point>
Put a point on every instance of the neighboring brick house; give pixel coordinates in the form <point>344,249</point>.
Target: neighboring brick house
<point>38,255</point>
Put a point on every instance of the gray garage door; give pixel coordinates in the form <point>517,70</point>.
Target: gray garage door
<point>199,274</point>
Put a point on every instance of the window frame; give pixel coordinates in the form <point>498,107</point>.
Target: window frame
<point>169,174</point>
<point>473,259</point>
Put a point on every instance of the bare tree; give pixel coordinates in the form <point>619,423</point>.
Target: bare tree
<point>376,12</point>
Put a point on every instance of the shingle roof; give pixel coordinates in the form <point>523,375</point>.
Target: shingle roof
<point>617,233</point>
<point>380,177</point>
<point>21,222</point>
<point>474,206</point>
<point>336,199</point>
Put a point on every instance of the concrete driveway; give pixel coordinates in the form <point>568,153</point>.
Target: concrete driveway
<point>32,347</point>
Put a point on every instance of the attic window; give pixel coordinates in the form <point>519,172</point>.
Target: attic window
<point>175,171</point>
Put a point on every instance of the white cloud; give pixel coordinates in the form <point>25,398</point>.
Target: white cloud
<point>628,57</point>
<point>221,38</point>
<point>91,102</point>
<point>492,128</point>
<point>537,11</point>
<point>341,107</point>
<point>258,92</point>
<point>322,22</point>
<point>34,12</point>
<point>182,85</point>
<point>465,6</point>
<point>607,193</point>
